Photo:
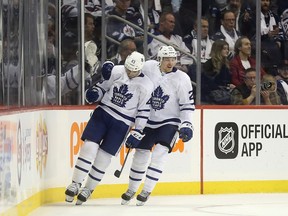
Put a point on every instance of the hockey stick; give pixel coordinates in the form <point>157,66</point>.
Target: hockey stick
<point>117,173</point>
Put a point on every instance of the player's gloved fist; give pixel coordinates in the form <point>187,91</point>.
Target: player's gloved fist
<point>186,131</point>
<point>91,95</point>
<point>134,138</point>
<point>106,69</point>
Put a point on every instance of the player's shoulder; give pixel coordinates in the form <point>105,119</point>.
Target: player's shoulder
<point>145,81</point>
<point>181,74</point>
<point>151,62</point>
<point>150,66</point>
<point>118,70</point>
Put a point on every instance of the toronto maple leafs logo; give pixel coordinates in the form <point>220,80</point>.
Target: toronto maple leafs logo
<point>120,96</point>
<point>158,100</point>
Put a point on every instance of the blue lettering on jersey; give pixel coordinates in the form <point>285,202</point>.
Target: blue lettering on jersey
<point>158,100</point>
<point>120,96</point>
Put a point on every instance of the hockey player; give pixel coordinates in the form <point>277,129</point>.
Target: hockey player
<point>123,103</point>
<point>172,105</point>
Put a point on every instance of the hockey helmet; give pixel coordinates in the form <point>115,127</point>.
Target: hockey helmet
<point>166,51</point>
<point>134,61</point>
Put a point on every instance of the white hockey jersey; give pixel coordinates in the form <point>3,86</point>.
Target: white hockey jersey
<point>126,99</point>
<point>69,81</point>
<point>172,100</point>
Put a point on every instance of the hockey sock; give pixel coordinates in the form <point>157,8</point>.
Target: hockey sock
<point>155,168</point>
<point>83,164</point>
<point>138,168</point>
<point>102,161</point>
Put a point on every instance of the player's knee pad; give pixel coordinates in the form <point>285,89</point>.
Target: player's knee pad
<point>89,150</point>
<point>140,159</point>
<point>159,156</point>
<point>102,160</point>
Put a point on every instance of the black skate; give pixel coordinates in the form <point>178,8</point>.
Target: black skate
<point>83,196</point>
<point>127,196</point>
<point>142,197</point>
<point>71,191</point>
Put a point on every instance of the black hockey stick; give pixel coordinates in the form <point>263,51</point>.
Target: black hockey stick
<point>117,173</point>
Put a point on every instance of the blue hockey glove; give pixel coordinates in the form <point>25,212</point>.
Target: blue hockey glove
<point>91,95</point>
<point>134,138</point>
<point>106,69</point>
<point>186,131</point>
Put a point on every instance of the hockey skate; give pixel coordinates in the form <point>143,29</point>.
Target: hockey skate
<point>83,196</point>
<point>127,196</point>
<point>71,191</point>
<point>142,198</point>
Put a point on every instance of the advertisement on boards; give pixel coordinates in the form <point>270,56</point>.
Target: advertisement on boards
<point>244,145</point>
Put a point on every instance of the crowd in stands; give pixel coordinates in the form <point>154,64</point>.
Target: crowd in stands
<point>228,40</point>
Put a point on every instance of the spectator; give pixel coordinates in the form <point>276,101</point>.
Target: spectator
<point>227,31</point>
<point>89,27</point>
<point>242,60</point>
<point>70,61</point>
<point>284,31</point>
<point>245,93</point>
<point>186,17</point>
<point>119,31</point>
<point>245,19</point>
<point>71,78</point>
<point>269,22</point>
<point>69,18</point>
<point>270,38</point>
<point>95,8</point>
<point>282,83</point>
<point>206,42</point>
<point>213,13</point>
<point>166,6</point>
<point>152,16</point>
<point>125,48</point>
<point>70,22</point>
<point>216,74</point>
<point>282,6</point>
<point>165,32</point>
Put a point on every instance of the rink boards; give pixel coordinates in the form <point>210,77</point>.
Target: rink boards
<point>234,150</point>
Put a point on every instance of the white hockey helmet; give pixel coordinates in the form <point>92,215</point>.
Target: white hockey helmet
<point>134,61</point>
<point>166,51</point>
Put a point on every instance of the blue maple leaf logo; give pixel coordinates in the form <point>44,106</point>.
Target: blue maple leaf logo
<point>158,100</point>
<point>120,96</point>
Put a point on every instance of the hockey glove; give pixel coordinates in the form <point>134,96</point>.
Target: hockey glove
<point>91,95</point>
<point>106,69</point>
<point>134,138</point>
<point>186,131</point>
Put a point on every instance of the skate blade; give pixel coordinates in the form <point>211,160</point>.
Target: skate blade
<point>125,202</point>
<point>79,202</point>
<point>139,203</point>
<point>69,198</point>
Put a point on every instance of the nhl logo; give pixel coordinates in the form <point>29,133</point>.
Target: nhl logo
<point>226,140</point>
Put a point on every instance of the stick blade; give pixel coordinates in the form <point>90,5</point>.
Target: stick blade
<point>117,173</point>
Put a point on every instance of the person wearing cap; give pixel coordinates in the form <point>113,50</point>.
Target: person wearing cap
<point>282,83</point>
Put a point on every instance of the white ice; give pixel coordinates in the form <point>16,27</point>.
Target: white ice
<point>274,204</point>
